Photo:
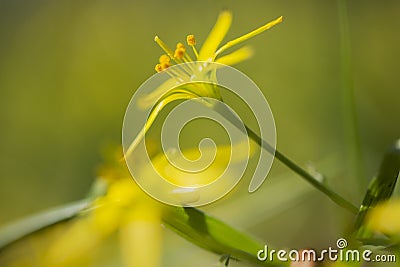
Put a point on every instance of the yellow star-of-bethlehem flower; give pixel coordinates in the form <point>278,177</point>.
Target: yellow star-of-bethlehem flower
<point>211,51</point>
<point>208,52</point>
<point>125,208</point>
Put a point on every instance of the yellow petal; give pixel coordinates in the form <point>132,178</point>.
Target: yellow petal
<point>90,231</point>
<point>141,236</point>
<point>222,156</point>
<point>149,100</point>
<point>236,56</point>
<point>216,35</point>
<point>122,192</point>
<point>176,95</point>
<point>249,35</point>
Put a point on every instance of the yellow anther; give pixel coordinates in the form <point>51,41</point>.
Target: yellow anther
<point>164,58</point>
<point>162,66</point>
<point>180,46</point>
<point>158,68</point>
<point>179,53</point>
<point>191,40</point>
<point>165,65</point>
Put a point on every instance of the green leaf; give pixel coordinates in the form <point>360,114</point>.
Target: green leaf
<point>380,189</point>
<point>34,223</point>
<point>20,229</point>
<point>192,224</point>
<point>214,235</point>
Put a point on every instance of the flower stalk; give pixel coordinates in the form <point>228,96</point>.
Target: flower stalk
<point>211,51</point>
<point>339,200</point>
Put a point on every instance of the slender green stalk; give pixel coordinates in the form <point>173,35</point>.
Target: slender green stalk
<point>221,109</point>
<point>353,144</point>
<point>303,173</point>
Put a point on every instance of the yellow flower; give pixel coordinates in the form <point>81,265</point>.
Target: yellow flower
<point>179,87</point>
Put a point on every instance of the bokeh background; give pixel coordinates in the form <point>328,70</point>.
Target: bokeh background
<point>69,68</point>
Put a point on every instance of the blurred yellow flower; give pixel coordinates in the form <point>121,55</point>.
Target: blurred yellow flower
<point>125,209</point>
<point>385,218</point>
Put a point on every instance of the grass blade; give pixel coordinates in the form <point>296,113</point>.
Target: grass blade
<point>20,229</point>
<point>380,189</point>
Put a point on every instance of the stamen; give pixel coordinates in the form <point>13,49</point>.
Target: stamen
<point>185,56</point>
<point>179,53</point>
<point>188,58</point>
<point>162,65</point>
<point>169,52</point>
<point>172,73</point>
<point>191,41</point>
<point>164,47</point>
<point>165,65</point>
<point>158,68</point>
<point>248,35</point>
<point>175,74</point>
<point>180,45</point>
<point>164,58</point>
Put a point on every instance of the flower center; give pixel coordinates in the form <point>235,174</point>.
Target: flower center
<point>178,56</point>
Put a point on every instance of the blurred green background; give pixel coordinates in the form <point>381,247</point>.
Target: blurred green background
<point>69,68</point>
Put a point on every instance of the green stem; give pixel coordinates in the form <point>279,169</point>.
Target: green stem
<point>348,100</point>
<point>303,173</point>
<point>221,109</point>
